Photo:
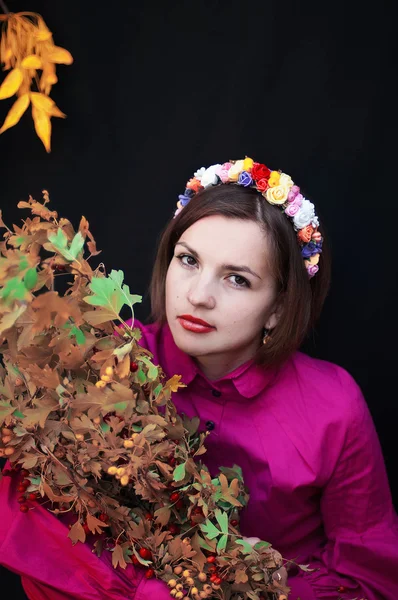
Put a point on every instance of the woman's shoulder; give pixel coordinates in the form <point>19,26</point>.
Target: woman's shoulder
<point>327,388</point>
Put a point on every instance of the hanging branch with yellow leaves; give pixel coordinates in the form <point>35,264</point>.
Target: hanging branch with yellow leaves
<point>26,49</point>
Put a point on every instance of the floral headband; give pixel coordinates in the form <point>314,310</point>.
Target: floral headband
<point>277,188</point>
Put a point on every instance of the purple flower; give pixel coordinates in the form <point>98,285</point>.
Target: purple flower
<point>188,192</point>
<point>184,199</point>
<point>311,249</point>
<point>245,179</point>
<point>312,270</point>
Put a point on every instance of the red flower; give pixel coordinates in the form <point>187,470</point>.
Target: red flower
<point>262,184</point>
<point>260,171</point>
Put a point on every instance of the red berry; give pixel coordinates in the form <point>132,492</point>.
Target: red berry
<point>32,496</point>
<point>174,497</point>
<point>211,559</point>
<point>86,528</point>
<point>172,461</point>
<point>133,367</point>
<point>25,483</point>
<point>234,522</point>
<point>197,511</point>
<point>179,504</point>
<point>341,589</point>
<point>103,517</point>
<point>25,473</point>
<point>135,560</point>
<point>212,569</point>
<point>213,578</point>
<point>145,553</point>
<point>149,573</point>
<point>21,489</point>
<point>24,508</point>
<point>21,499</point>
<point>174,529</point>
<point>218,580</point>
<point>148,516</point>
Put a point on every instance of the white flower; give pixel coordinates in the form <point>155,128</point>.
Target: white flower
<point>198,174</point>
<point>305,215</point>
<point>209,177</point>
<point>315,222</point>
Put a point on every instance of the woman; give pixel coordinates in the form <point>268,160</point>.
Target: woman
<point>240,277</point>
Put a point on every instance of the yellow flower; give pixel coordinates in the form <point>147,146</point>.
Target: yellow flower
<point>277,194</point>
<point>285,180</point>
<point>247,164</point>
<point>274,179</point>
<point>235,170</point>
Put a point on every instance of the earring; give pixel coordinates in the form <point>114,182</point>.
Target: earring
<point>266,336</point>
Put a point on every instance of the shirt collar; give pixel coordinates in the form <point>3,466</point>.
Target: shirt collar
<point>249,379</point>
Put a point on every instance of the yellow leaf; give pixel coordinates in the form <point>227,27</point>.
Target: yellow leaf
<point>31,62</point>
<point>55,112</point>
<point>43,126</point>
<point>11,83</point>
<point>60,56</point>
<point>43,35</point>
<point>16,112</point>
<point>42,102</point>
<point>174,383</point>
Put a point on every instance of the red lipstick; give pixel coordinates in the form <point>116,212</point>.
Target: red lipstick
<point>194,324</point>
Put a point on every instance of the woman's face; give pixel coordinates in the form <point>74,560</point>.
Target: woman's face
<point>208,278</point>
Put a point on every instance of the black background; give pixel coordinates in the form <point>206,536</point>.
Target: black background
<point>159,89</point>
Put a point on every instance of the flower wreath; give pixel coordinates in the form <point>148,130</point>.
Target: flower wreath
<point>277,188</point>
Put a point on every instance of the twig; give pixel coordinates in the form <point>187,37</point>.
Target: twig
<point>4,7</point>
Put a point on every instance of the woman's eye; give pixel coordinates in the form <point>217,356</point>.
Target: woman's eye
<point>240,282</point>
<point>187,256</point>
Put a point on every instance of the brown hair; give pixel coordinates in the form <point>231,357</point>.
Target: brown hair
<point>301,298</point>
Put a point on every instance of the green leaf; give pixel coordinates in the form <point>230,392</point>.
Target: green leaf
<point>121,352</point>
<point>204,545</point>
<point>209,529</point>
<point>5,410</point>
<point>222,543</point>
<point>30,279</point>
<point>179,472</point>
<point>222,520</point>
<point>105,427</point>
<point>120,406</point>
<point>261,546</point>
<point>13,290</point>
<point>79,335</point>
<point>59,240</point>
<point>247,548</point>
<point>76,245</point>
<point>18,414</point>
<point>23,263</point>
<point>141,376</point>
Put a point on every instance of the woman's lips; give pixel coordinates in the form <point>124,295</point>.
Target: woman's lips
<point>195,327</point>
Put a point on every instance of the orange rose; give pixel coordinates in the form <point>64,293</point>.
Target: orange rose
<point>194,184</point>
<point>305,234</point>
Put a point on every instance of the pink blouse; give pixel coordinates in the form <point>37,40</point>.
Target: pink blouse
<point>312,461</point>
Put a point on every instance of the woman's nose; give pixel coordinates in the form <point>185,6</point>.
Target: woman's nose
<point>201,294</point>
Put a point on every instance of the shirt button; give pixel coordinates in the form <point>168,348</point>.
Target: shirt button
<point>210,425</point>
<point>216,393</point>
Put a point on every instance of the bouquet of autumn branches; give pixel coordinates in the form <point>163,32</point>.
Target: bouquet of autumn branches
<point>87,419</point>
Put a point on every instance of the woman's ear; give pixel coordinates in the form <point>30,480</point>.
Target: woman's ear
<point>275,315</point>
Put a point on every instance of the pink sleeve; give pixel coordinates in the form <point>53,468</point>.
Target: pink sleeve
<point>360,559</point>
<point>35,545</point>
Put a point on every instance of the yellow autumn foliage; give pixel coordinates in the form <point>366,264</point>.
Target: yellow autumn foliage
<point>16,112</point>
<point>26,47</point>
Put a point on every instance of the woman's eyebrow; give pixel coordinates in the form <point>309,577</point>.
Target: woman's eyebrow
<point>241,268</point>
